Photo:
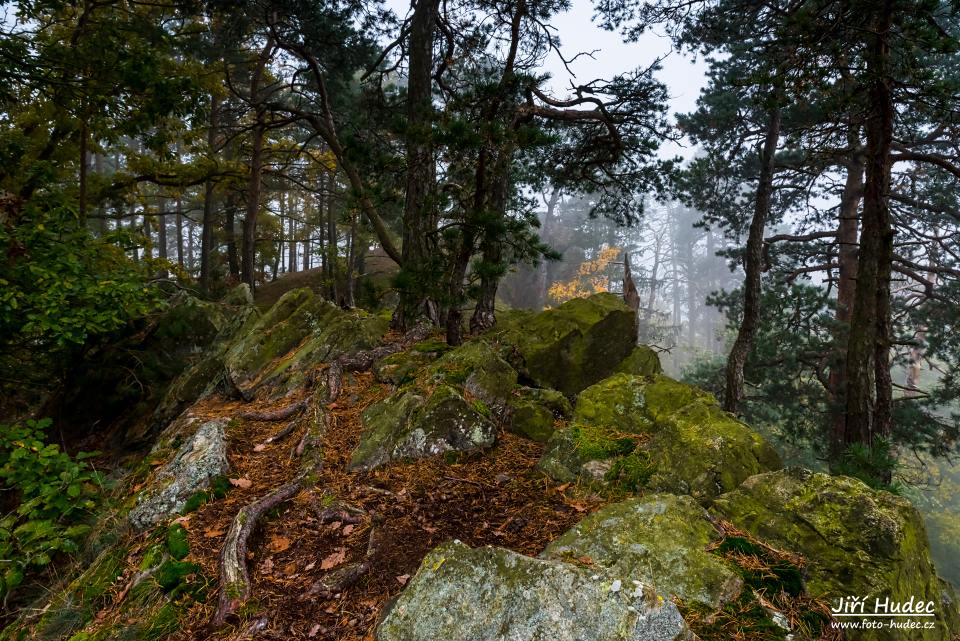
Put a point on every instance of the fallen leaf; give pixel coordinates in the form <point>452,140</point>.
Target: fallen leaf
<point>561,488</point>
<point>212,533</point>
<point>334,559</point>
<point>579,507</point>
<point>242,483</point>
<point>428,529</point>
<point>259,447</point>
<point>183,520</point>
<point>314,630</point>
<point>310,566</point>
<point>290,568</point>
<point>403,578</point>
<point>332,406</point>
<point>278,544</point>
<point>267,566</point>
<point>347,529</point>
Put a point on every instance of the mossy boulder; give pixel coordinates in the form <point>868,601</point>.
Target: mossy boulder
<point>642,361</point>
<point>410,425</point>
<point>280,329</point>
<point>334,332</point>
<point>488,594</point>
<point>857,542</point>
<point>534,412</point>
<point>402,368</point>
<point>659,434</point>
<point>193,468</point>
<point>574,345</point>
<point>659,540</point>
<point>478,370</point>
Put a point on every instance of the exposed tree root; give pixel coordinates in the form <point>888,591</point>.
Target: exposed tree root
<point>278,415</point>
<point>234,577</point>
<point>339,580</point>
<point>363,361</point>
<point>338,511</point>
<point>282,434</point>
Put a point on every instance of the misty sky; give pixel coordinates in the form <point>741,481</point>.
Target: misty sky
<point>683,76</point>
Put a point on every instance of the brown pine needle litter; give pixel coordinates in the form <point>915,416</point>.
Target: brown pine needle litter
<point>365,531</point>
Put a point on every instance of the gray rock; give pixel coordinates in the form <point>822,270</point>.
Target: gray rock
<point>407,425</point>
<point>200,459</point>
<point>660,540</point>
<point>658,434</point>
<point>491,594</point>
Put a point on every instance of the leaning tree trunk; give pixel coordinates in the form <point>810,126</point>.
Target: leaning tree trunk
<point>869,387</point>
<point>753,265</point>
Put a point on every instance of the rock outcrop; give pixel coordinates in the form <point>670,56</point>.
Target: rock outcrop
<point>491,594</point>
<point>574,345</point>
<point>408,425</point>
<point>858,542</point>
<point>660,540</point>
<point>200,459</point>
<point>656,433</point>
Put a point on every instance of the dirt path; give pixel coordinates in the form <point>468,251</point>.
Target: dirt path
<point>394,515</point>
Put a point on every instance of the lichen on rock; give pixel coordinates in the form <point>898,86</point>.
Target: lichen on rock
<point>673,438</point>
<point>198,461</point>
<point>659,540</point>
<point>488,594</point>
<point>409,425</point>
<point>857,541</point>
<point>574,345</point>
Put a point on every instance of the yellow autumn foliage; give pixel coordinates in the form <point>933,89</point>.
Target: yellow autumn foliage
<point>590,279</point>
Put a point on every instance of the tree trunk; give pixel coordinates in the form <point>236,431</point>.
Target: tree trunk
<point>179,220</point>
<point>332,246</point>
<point>206,229</point>
<point>230,226</point>
<point>848,230</point>
<point>753,265</point>
<point>869,387</point>
<point>417,275</point>
<point>254,184</point>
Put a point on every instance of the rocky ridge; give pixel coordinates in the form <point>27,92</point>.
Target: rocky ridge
<point>698,529</point>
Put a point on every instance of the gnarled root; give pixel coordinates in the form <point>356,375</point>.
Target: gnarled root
<point>234,577</point>
<point>363,361</point>
<point>280,414</point>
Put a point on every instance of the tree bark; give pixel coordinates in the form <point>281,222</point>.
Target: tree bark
<point>848,230</point>
<point>868,397</point>
<point>209,194</point>
<point>753,266</point>
<point>419,210</point>
<point>254,184</point>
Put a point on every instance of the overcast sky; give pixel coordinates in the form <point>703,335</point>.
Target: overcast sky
<point>683,76</point>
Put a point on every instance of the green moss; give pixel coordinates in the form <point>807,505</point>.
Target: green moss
<point>596,442</point>
<point>152,557</point>
<point>744,619</point>
<point>432,346</point>
<point>642,361</point>
<point>172,573</point>
<point>631,472</point>
<point>178,543</point>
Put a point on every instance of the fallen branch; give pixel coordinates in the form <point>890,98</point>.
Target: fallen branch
<point>278,415</point>
<point>363,361</point>
<point>234,577</point>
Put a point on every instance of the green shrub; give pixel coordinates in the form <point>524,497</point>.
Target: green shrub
<point>53,496</point>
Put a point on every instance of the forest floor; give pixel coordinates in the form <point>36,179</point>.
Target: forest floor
<point>388,518</point>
